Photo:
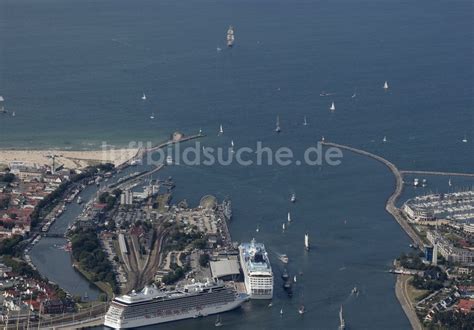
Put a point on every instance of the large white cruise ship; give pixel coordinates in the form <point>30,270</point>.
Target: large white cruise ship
<point>257,270</point>
<point>152,306</point>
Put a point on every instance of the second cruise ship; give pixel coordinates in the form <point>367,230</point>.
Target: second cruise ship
<point>153,306</point>
<point>257,270</point>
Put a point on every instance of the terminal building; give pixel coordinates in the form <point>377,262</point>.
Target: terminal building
<point>225,269</point>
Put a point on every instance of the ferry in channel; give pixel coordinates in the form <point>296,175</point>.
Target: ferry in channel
<point>153,306</point>
<point>257,270</point>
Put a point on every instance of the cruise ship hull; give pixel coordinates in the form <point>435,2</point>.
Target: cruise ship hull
<point>145,321</point>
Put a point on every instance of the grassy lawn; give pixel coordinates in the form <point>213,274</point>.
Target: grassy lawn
<point>162,201</point>
<point>416,295</point>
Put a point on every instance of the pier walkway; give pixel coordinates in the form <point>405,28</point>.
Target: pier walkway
<point>171,142</point>
<point>438,173</point>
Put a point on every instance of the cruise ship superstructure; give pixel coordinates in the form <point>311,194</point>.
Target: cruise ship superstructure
<point>257,270</point>
<point>153,306</point>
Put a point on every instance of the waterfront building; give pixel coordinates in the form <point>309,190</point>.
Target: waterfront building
<point>449,251</point>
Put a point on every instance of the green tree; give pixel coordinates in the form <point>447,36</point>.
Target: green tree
<point>204,259</point>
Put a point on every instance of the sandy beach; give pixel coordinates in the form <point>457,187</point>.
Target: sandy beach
<point>70,159</point>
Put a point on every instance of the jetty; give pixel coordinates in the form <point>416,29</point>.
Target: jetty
<point>172,141</point>
<point>176,138</point>
<point>438,173</point>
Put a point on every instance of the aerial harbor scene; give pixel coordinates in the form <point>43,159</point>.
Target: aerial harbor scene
<point>237,164</point>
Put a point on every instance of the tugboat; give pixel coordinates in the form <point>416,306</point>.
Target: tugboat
<point>287,287</point>
<point>230,37</point>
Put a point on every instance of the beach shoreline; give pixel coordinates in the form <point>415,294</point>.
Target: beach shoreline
<point>70,159</point>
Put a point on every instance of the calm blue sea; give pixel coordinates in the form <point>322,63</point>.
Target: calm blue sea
<point>74,72</point>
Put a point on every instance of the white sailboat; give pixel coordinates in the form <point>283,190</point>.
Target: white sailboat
<point>294,279</point>
<point>232,145</point>
<point>305,122</point>
<point>384,139</point>
<point>306,241</point>
<point>385,85</point>
<point>143,97</point>
<point>200,131</point>
<point>221,130</point>
<point>283,226</point>
<point>13,114</point>
<point>333,107</point>
<point>289,217</point>
<point>342,323</point>
<point>281,311</point>
<point>449,183</point>
<point>354,95</point>
<point>258,229</point>
<point>278,128</point>
<point>464,139</point>
<point>152,116</point>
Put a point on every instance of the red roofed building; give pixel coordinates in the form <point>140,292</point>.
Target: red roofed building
<point>466,305</point>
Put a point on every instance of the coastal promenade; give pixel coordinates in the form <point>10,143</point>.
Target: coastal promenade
<point>401,291</point>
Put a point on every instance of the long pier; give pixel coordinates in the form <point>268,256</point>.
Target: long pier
<point>171,142</point>
<point>390,206</point>
<point>438,173</point>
